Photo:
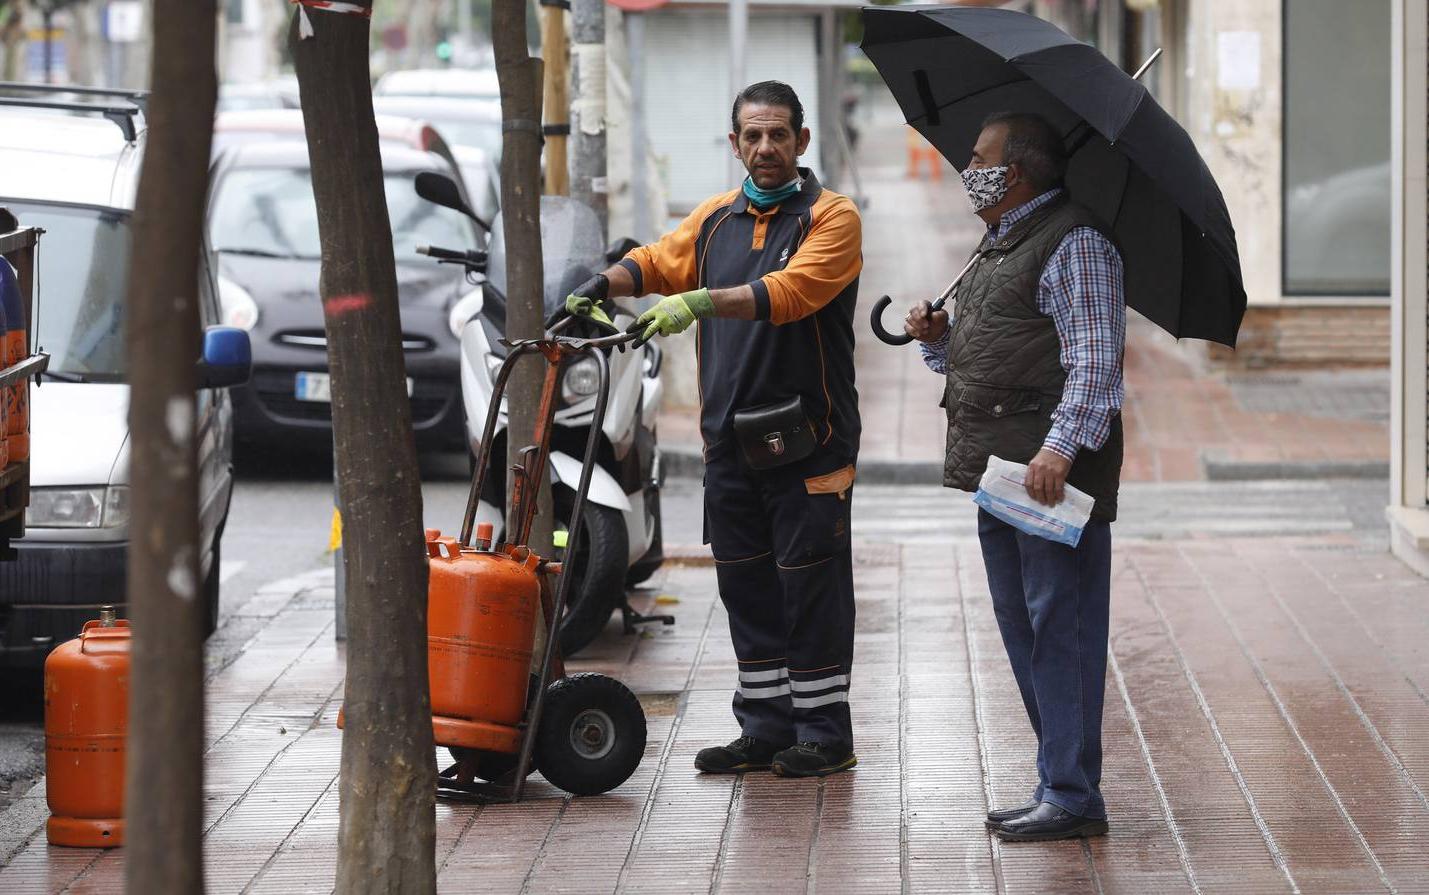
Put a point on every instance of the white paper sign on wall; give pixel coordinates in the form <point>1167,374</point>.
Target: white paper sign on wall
<point>124,22</point>
<point>1238,60</point>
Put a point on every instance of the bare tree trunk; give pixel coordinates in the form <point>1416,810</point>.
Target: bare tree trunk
<point>164,773</point>
<point>387,827</point>
<point>520,78</point>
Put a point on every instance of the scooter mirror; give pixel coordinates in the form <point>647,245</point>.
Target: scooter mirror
<point>619,249</point>
<point>442,190</point>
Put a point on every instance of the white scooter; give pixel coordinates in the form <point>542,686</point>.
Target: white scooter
<point>620,539</point>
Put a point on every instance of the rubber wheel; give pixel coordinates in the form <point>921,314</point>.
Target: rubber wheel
<point>592,734</point>
<point>599,560</point>
<point>488,766</point>
<point>654,558</point>
<point>211,588</point>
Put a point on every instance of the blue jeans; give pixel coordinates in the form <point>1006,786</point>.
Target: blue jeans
<point>1052,604</point>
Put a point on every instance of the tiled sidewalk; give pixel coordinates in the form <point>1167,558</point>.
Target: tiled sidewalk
<point>1267,729</point>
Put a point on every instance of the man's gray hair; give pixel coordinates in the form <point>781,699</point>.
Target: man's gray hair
<point>1034,145</point>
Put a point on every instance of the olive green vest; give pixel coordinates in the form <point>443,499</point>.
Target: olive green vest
<point>1005,375</point>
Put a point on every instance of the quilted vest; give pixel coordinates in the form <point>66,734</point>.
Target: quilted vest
<point>1005,375</point>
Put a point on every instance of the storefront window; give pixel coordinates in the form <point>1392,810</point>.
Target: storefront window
<point>1336,147</point>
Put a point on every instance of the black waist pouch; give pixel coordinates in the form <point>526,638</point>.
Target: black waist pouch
<point>774,435</point>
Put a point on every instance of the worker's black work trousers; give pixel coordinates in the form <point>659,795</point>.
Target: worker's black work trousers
<point>783,556</point>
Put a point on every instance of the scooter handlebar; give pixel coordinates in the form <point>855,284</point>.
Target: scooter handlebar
<point>884,335</point>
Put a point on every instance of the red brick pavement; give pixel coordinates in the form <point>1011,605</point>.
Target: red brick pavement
<point>1267,729</point>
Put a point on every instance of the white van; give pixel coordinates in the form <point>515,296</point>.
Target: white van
<point>74,172</point>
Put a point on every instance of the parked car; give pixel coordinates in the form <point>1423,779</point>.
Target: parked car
<point>472,83</point>
<point>76,177</point>
<point>263,225</point>
<point>274,94</point>
<point>262,125</point>
<point>472,128</point>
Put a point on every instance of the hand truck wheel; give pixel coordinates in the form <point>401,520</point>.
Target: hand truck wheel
<point>591,736</point>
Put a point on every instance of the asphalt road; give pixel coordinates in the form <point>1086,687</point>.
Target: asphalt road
<point>282,512</point>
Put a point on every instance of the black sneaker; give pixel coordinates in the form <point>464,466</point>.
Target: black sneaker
<point>813,760</point>
<point>744,754</point>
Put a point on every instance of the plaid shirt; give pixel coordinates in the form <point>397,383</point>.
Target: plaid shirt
<point>1081,289</point>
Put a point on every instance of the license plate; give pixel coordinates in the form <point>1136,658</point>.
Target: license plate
<point>313,387</point>
<point>318,387</point>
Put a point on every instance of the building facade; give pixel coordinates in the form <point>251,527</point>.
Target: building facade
<point>1286,101</point>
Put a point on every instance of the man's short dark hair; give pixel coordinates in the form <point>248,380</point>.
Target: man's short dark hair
<point>769,93</point>
<point>1034,145</point>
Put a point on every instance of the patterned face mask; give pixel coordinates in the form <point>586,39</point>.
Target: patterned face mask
<point>985,186</point>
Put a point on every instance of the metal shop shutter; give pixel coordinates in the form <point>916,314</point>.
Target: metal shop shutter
<point>688,97</point>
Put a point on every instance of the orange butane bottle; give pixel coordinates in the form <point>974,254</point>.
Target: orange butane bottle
<point>86,723</point>
<point>481,618</point>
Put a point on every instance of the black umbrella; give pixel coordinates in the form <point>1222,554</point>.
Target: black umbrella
<point>1131,163</point>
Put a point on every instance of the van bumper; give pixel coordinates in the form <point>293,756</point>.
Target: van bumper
<point>51,589</point>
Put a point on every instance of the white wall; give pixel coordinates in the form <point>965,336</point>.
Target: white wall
<point>688,97</point>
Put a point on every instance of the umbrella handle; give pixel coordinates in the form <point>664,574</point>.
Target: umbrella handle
<point>903,338</point>
<point>884,335</point>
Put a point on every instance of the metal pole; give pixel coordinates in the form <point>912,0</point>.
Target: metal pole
<point>339,567</point>
<point>463,21</point>
<point>588,168</point>
<point>48,20</point>
<point>738,50</point>
<point>640,148</point>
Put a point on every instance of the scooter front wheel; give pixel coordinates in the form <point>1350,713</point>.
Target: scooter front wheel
<point>592,734</point>
<point>598,561</point>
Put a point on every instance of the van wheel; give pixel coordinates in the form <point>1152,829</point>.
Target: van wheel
<point>592,734</point>
<point>598,560</point>
<point>210,595</point>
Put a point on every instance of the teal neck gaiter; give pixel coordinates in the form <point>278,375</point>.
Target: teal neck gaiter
<point>763,199</point>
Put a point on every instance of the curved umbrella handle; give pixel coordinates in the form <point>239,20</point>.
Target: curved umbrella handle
<point>884,335</point>
<point>903,338</point>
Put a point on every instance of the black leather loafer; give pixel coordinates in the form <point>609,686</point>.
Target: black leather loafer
<point>1001,815</point>
<point>1046,822</point>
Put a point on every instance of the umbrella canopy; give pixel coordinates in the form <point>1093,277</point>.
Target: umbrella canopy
<point>1131,163</point>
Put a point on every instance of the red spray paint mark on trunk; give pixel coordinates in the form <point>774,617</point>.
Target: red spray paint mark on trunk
<point>339,305</point>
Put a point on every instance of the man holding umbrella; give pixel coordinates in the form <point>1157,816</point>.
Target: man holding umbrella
<point>1095,200</point>
<point>767,275</point>
<point>1033,358</point>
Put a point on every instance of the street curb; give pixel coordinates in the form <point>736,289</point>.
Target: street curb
<point>688,463</point>
<point>1218,470</point>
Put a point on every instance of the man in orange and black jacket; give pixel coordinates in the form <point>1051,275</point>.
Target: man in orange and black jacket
<point>770,272</point>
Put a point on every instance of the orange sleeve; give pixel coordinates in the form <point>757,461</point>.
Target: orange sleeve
<point>667,267</point>
<point>830,257</point>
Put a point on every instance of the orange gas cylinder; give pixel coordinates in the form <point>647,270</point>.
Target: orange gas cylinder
<point>481,617</point>
<point>86,721</point>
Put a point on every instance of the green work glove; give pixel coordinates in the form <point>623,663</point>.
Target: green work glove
<point>673,314</point>
<point>582,306</point>
<point>587,298</point>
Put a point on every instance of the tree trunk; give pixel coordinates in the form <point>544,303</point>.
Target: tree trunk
<point>588,168</point>
<point>164,772</point>
<point>520,79</point>
<point>387,826</point>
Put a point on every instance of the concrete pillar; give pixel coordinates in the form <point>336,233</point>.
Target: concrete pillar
<point>1409,484</point>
